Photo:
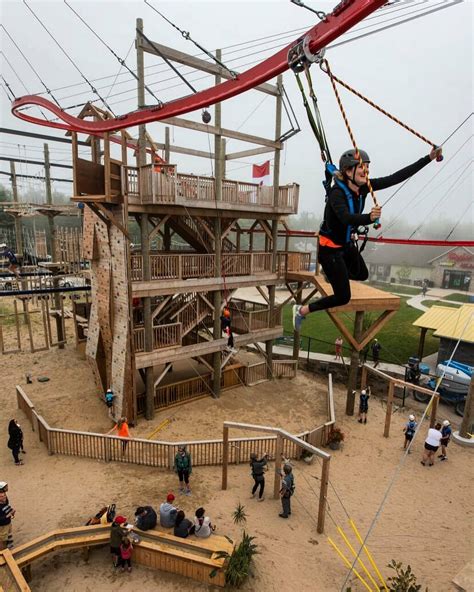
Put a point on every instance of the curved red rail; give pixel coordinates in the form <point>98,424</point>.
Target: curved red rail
<point>344,16</point>
<point>421,243</point>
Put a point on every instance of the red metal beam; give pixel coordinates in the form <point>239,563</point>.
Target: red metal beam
<point>344,16</point>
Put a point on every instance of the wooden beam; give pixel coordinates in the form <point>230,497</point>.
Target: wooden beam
<point>262,294</point>
<point>225,455</point>
<point>388,413</point>
<point>109,217</point>
<point>203,297</point>
<point>220,131</point>
<point>398,381</point>
<point>162,375</point>
<point>245,153</point>
<point>164,288</point>
<point>173,354</point>
<point>158,226</point>
<point>434,411</point>
<point>323,492</point>
<point>376,326</point>
<point>344,330</point>
<point>160,307</point>
<point>205,363</point>
<point>197,63</point>
<point>277,476</point>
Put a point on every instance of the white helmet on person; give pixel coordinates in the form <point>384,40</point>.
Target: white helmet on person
<point>411,417</point>
<point>363,392</point>
<point>446,423</point>
<point>3,486</point>
<point>3,245</point>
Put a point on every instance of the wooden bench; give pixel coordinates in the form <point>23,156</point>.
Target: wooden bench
<point>192,557</point>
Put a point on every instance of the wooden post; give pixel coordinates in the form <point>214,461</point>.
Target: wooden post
<point>18,229</point>
<point>296,334</point>
<point>278,454</point>
<point>465,428</point>
<point>225,456</point>
<point>323,492</point>
<point>276,183</point>
<point>433,411</point>
<point>363,378</point>
<point>421,344</point>
<point>217,299</point>
<point>144,230</point>
<point>167,144</point>
<point>354,369</point>
<point>388,413</point>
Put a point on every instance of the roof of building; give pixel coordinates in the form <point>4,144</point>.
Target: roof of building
<point>449,323</point>
<point>468,251</point>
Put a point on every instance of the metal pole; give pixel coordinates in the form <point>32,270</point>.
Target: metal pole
<point>354,369</point>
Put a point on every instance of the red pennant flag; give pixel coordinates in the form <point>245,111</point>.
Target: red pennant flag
<point>261,170</point>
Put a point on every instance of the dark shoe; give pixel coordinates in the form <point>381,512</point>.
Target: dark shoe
<point>283,515</point>
<point>431,464</point>
<point>360,421</point>
<point>444,458</point>
<point>365,420</point>
<point>422,463</point>
<point>440,455</point>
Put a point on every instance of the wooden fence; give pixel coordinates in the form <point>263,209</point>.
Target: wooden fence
<point>163,336</point>
<point>163,184</point>
<point>159,453</point>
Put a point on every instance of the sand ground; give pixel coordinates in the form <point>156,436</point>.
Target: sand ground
<point>426,520</point>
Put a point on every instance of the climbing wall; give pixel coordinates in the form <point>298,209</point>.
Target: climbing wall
<point>109,333</point>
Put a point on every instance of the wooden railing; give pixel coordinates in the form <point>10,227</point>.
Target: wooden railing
<point>293,261</point>
<point>285,368</point>
<point>162,184</point>
<point>244,321</point>
<point>182,267</point>
<point>256,373</point>
<point>163,336</point>
<point>161,454</point>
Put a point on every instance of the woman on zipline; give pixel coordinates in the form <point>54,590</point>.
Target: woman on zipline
<point>338,253</point>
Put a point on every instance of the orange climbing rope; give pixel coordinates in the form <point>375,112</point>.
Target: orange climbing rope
<point>325,68</point>
<point>349,129</point>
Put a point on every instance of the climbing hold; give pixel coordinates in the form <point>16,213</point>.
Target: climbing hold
<point>43,379</point>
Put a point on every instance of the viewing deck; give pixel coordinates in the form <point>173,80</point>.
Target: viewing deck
<point>163,185</point>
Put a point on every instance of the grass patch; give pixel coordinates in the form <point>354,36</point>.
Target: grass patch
<point>430,303</point>
<point>398,288</point>
<point>399,339</point>
<point>458,297</point>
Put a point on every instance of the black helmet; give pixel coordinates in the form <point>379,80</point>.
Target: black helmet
<point>349,159</point>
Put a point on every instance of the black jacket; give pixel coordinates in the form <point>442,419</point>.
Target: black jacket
<point>337,216</point>
<point>148,521</point>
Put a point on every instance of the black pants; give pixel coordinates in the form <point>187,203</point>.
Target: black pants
<point>183,475</point>
<point>259,481</point>
<point>340,266</point>
<point>15,453</point>
<point>124,562</point>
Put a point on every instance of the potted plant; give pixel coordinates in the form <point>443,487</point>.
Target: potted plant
<point>336,436</point>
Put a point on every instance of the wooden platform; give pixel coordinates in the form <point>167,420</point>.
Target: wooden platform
<point>191,557</point>
<point>364,297</point>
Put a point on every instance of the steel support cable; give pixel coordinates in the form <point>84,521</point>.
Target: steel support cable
<point>404,457</point>
<point>469,205</point>
<point>319,13</point>
<point>122,62</point>
<point>8,89</point>
<point>442,144</point>
<point>188,37</point>
<point>431,180</point>
<point>447,194</point>
<point>325,68</point>
<point>14,71</point>
<point>92,87</point>
<point>48,91</point>
<point>419,192</point>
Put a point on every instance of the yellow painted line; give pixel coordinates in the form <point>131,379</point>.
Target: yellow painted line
<point>163,424</point>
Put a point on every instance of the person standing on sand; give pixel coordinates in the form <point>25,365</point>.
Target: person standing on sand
<point>409,430</point>
<point>117,532</point>
<point>7,513</point>
<point>431,445</point>
<point>446,432</point>
<point>364,404</point>
<point>15,440</point>
<point>258,474</point>
<point>121,427</point>
<point>338,348</point>
<point>287,490</point>
<point>183,467</point>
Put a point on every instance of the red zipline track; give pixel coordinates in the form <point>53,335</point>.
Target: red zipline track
<point>344,16</point>
<point>421,243</point>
